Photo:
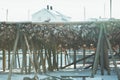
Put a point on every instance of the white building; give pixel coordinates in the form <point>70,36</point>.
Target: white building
<point>49,15</point>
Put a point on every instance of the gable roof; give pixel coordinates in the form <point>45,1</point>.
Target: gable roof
<point>53,15</point>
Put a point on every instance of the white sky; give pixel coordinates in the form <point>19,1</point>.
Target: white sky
<point>18,10</point>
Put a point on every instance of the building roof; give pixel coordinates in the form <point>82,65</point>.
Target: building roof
<point>46,15</point>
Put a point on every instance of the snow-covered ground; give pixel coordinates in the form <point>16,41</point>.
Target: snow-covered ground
<point>64,72</point>
<point>87,72</point>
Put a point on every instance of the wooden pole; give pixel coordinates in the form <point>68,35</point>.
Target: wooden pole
<point>29,69</point>
<point>25,60</point>
<point>35,60</point>
<point>74,59</point>
<point>38,60</point>
<point>97,52</point>
<point>18,58</point>
<point>106,57</point>
<point>24,51</point>
<point>4,60</point>
<point>54,58</point>
<point>13,55</point>
<point>61,57</point>
<point>9,58</point>
<point>57,60</point>
<point>15,62</point>
<point>49,60</point>
<point>102,56</point>
<point>84,55</point>
<point>23,47</point>
<point>42,61</point>
<point>30,54</point>
<point>65,56</point>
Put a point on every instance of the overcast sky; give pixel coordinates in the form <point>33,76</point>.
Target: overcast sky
<point>21,10</point>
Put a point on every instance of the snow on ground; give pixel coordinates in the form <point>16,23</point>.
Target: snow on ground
<point>19,76</point>
<point>64,72</point>
<point>87,72</point>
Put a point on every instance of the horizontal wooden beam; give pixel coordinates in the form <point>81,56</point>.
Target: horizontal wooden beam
<point>78,61</point>
<point>60,23</point>
<point>74,76</point>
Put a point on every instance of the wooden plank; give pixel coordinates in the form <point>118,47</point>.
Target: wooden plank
<point>78,61</point>
<point>74,76</point>
<point>83,77</point>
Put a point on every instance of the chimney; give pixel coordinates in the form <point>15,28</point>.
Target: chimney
<point>47,7</point>
<point>51,8</point>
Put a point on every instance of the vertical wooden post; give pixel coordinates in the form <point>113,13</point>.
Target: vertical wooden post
<point>35,60</point>
<point>42,61</point>
<point>15,62</point>
<point>57,61</point>
<point>49,60</point>
<point>74,59</point>
<point>4,60</point>
<point>119,49</point>
<point>65,57</point>
<point>9,58</point>
<point>38,60</point>
<point>106,61</point>
<point>25,61</point>
<point>44,64</point>
<point>18,58</point>
<point>54,58</point>
<point>29,70</point>
<point>61,57</point>
<point>84,54</point>
<point>70,56</point>
<point>24,58</point>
